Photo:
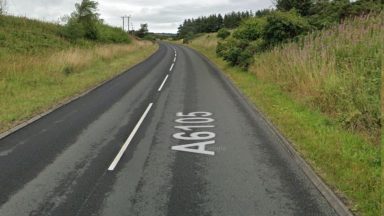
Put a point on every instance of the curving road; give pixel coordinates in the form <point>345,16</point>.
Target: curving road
<point>168,137</point>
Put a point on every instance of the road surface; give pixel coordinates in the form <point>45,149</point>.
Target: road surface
<point>167,137</point>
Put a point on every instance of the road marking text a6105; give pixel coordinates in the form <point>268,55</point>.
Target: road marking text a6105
<point>192,124</point>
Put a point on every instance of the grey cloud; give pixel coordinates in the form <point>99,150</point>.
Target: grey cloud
<point>161,16</point>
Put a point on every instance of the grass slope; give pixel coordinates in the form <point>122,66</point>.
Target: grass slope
<point>348,161</point>
<point>39,69</point>
<point>22,35</point>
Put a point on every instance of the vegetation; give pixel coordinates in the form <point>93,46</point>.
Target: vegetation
<point>212,23</point>
<point>30,37</point>
<point>319,14</point>
<point>223,33</point>
<point>40,68</point>
<point>382,140</point>
<point>84,23</point>
<point>282,83</point>
<point>256,34</point>
<point>302,6</point>
<point>327,13</point>
<point>143,31</point>
<point>265,29</point>
<point>343,79</point>
<point>31,84</point>
<point>336,71</point>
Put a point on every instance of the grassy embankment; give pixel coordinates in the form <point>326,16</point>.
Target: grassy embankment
<point>39,69</point>
<point>304,88</point>
<point>382,140</point>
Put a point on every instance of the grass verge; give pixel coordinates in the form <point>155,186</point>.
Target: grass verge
<point>31,84</point>
<point>347,162</point>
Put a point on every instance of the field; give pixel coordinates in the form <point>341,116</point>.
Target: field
<point>323,93</point>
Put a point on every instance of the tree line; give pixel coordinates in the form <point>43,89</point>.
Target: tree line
<point>319,13</point>
<point>257,32</point>
<point>214,22</point>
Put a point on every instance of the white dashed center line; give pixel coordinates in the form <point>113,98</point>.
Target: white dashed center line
<point>162,84</point>
<point>173,64</point>
<point>134,131</point>
<point>128,141</point>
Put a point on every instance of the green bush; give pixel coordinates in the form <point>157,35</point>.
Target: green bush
<point>73,30</point>
<point>283,26</point>
<point>188,38</point>
<point>244,43</point>
<point>109,34</point>
<point>223,33</point>
<point>359,8</point>
<point>256,34</point>
<point>251,29</point>
<point>326,13</point>
<point>236,52</point>
<point>150,37</point>
<point>91,30</point>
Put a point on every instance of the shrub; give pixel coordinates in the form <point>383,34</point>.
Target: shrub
<point>283,26</point>
<point>73,30</point>
<point>91,30</point>
<point>236,52</point>
<point>251,29</point>
<point>109,34</point>
<point>326,13</point>
<point>223,33</point>
<point>259,33</point>
<point>150,37</point>
<point>143,31</point>
<point>188,38</point>
<point>359,8</point>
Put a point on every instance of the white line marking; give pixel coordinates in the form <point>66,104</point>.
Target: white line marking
<point>174,59</point>
<point>125,146</point>
<point>162,84</point>
<point>173,64</point>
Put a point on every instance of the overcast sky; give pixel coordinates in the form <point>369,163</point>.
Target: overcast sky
<point>161,15</point>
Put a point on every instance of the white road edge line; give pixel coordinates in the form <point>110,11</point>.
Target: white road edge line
<point>174,59</point>
<point>128,141</point>
<point>173,64</point>
<point>162,84</point>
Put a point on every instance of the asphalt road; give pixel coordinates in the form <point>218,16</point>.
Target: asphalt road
<point>167,137</point>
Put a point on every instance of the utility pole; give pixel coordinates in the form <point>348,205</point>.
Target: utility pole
<point>123,22</point>
<point>128,18</point>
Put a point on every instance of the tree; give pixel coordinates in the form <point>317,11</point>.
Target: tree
<point>302,6</point>
<point>283,26</point>
<point>143,31</point>
<point>86,15</point>
<point>3,5</point>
